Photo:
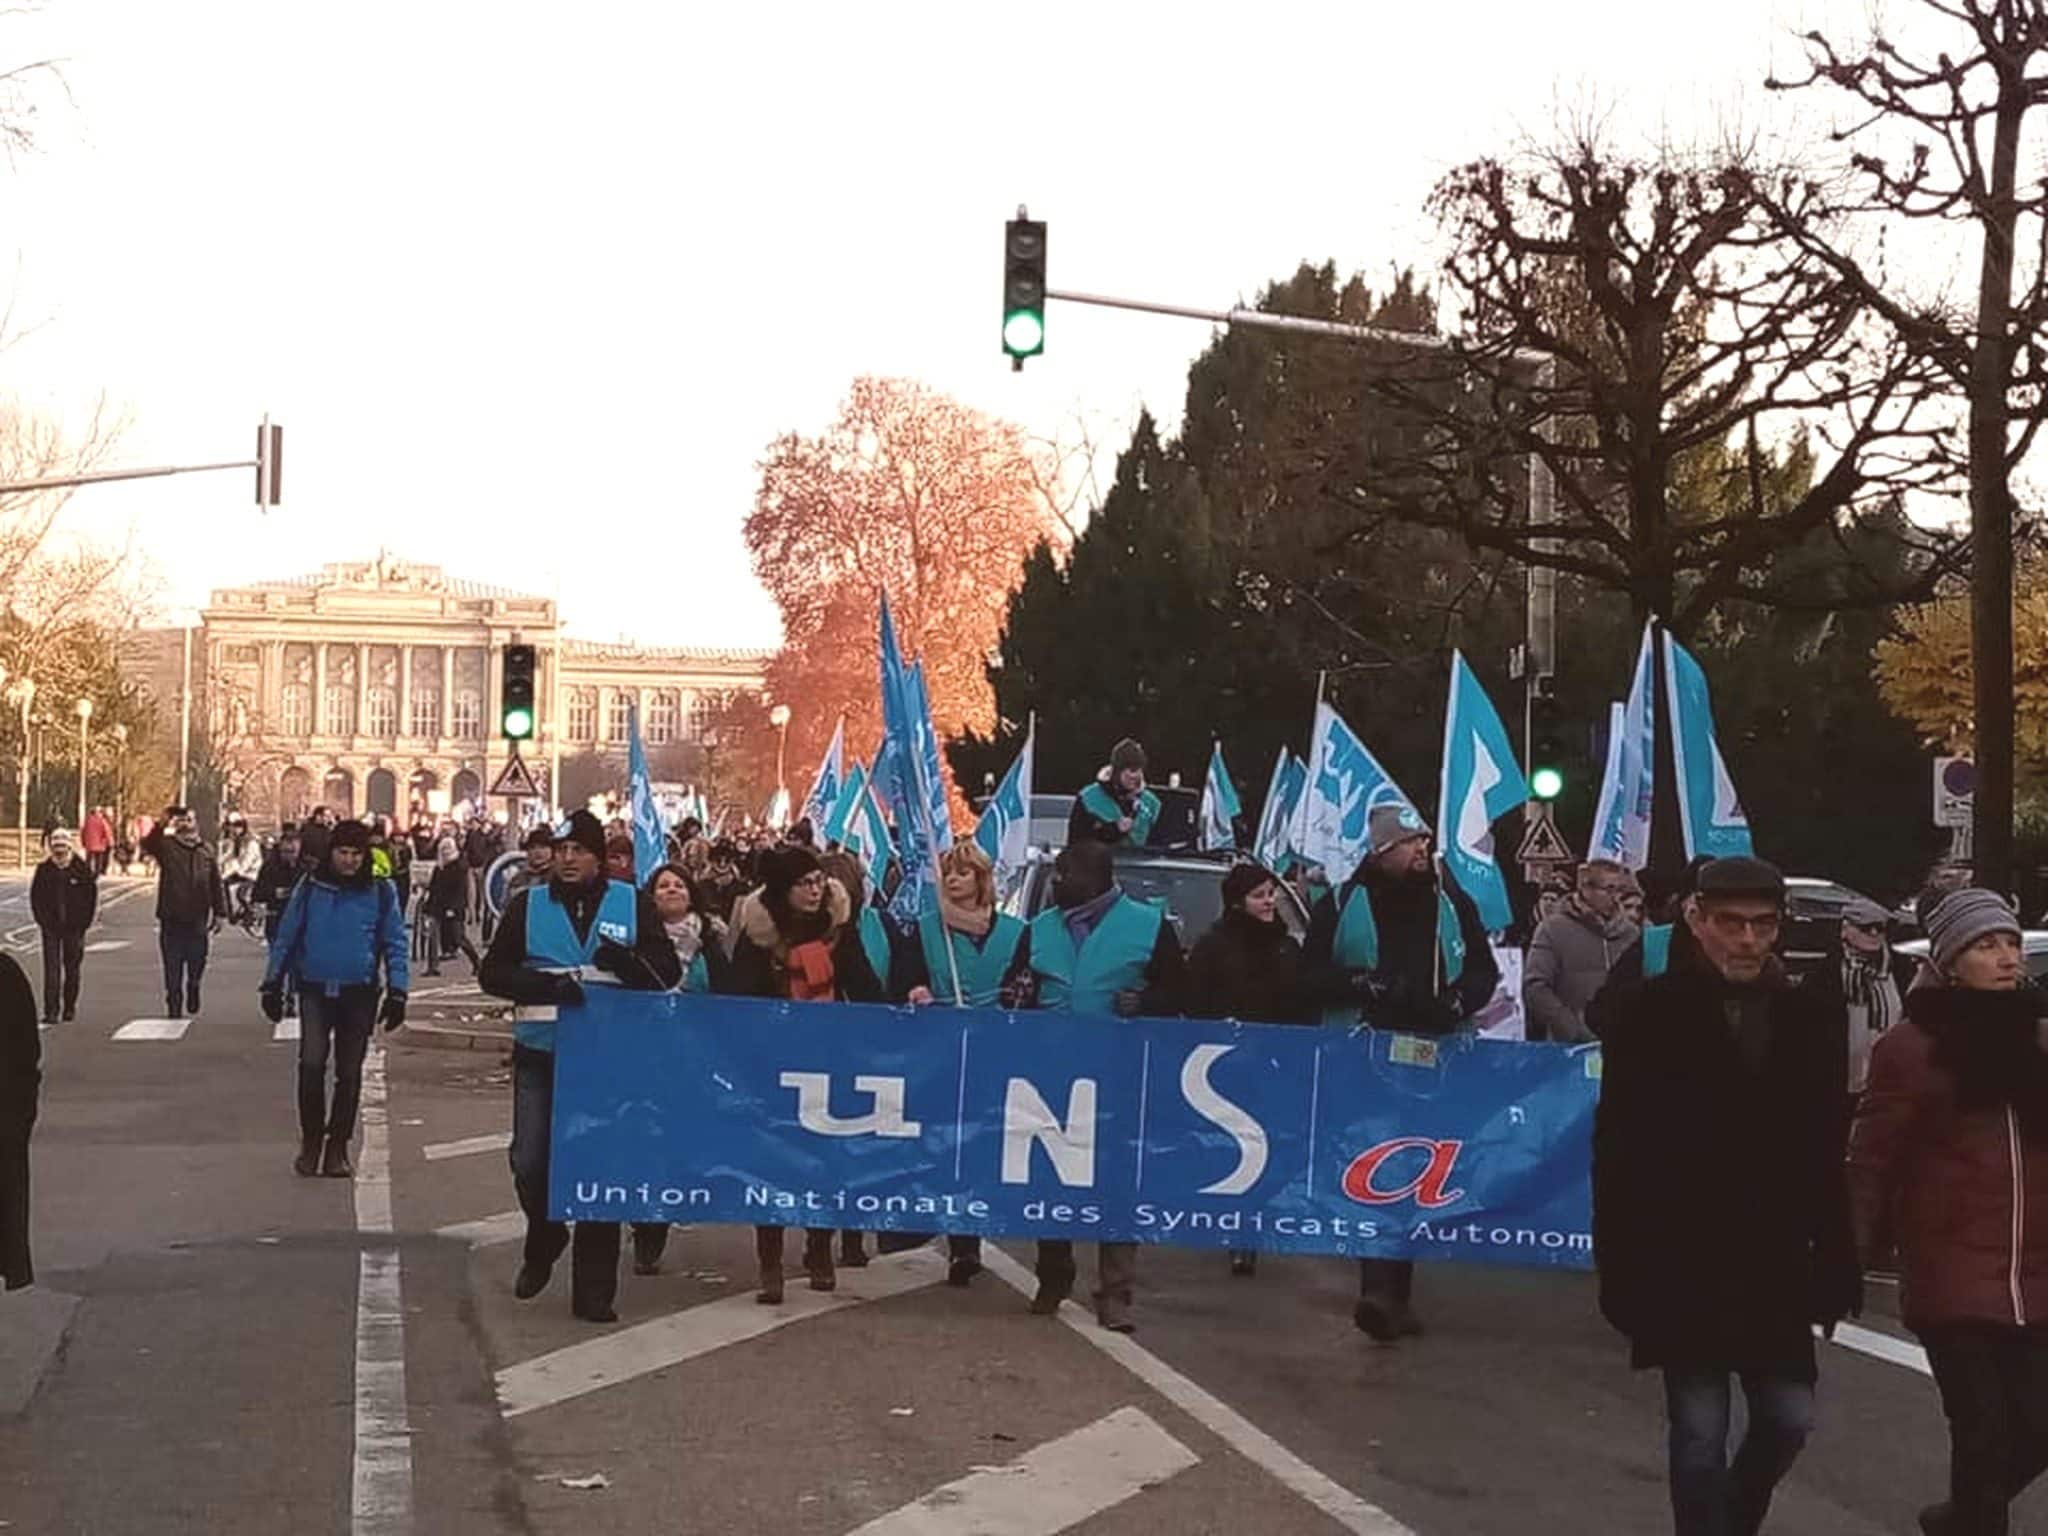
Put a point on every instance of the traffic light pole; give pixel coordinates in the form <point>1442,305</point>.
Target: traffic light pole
<point>269,450</point>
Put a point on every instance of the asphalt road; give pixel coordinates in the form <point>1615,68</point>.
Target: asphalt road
<point>244,1356</point>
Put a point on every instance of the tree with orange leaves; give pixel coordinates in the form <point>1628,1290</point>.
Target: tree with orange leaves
<point>911,492</point>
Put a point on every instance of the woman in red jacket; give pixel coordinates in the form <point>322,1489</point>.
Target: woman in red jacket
<point>1949,1158</point>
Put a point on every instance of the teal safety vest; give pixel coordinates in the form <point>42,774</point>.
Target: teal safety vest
<point>1115,958</point>
<point>982,966</point>
<point>551,944</point>
<point>1357,945</point>
<point>1656,950</point>
<point>874,943</point>
<point>1102,805</point>
<point>697,978</point>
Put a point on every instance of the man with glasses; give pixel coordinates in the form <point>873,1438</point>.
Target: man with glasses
<point>1720,1208</point>
<point>1861,983</point>
<point>1572,952</point>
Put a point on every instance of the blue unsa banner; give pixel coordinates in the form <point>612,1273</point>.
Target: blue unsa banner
<point>690,1108</point>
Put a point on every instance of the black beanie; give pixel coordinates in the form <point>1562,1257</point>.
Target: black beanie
<point>782,867</point>
<point>585,830</point>
<point>349,834</point>
<point>1242,880</point>
<point>1126,754</point>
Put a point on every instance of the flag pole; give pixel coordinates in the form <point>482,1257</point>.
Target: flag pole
<point>931,840</point>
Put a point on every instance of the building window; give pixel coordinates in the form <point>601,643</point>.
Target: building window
<point>240,655</point>
<point>661,718</point>
<point>383,713</point>
<point>338,710</point>
<point>295,710</point>
<point>426,712</point>
<point>703,710</point>
<point>618,720</point>
<point>583,714</point>
<point>469,716</point>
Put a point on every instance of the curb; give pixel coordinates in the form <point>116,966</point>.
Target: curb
<point>452,1037</point>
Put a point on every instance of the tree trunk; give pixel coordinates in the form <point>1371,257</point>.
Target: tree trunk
<point>1991,575</point>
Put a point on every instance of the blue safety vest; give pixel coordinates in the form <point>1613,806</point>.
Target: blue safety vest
<point>982,965</point>
<point>1101,804</point>
<point>551,944</point>
<point>1656,950</point>
<point>1357,944</point>
<point>1114,959</point>
<point>874,943</point>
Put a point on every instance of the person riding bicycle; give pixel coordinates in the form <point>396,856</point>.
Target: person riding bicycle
<point>241,859</point>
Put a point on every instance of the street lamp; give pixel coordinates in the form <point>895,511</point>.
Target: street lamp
<point>120,769</point>
<point>779,718</point>
<point>84,722</point>
<point>24,692</point>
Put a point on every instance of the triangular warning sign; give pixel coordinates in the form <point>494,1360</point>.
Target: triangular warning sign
<point>1541,843</point>
<point>516,781</point>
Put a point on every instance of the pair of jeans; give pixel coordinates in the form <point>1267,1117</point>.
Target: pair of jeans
<point>340,1025</point>
<point>183,946</point>
<point>63,955</point>
<point>594,1262</point>
<point>1710,1495</point>
<point>1994,1391</point>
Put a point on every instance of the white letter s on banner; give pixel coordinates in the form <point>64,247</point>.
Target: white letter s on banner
<point>1221,1113</point>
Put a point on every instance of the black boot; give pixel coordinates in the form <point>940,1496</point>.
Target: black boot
<point>335,1164</point>
<point>174,1006</point>
<point>192,998</point>
<point>307,1164</point>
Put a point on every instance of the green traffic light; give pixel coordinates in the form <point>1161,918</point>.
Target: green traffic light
<point>518,724</point>
<point>1546,783</point>
<point>1024,333</point>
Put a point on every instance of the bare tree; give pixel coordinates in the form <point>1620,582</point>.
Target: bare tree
<point>1964,106</point>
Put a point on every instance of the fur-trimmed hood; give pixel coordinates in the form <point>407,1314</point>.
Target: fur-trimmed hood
<point>750,916</point>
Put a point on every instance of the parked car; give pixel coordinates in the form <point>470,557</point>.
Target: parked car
<point>1813,921</point>
<point>2034,942</point>
<point>1188,885</point>
<point>1178,811</point>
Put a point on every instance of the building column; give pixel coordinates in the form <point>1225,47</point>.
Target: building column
<point>319,687</point>
<point>405,690</point>
<point>362,687</point>
<point>272,701</point>
<point>447,692</point>
<point>604,716</point>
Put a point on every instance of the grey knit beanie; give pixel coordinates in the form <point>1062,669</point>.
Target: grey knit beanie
<point>1962,918</point>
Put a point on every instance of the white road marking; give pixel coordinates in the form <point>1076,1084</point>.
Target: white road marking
<point>105,946</point>
<point>469,1146</point>
<point>505,1227</point>
<point>153,1029</point>
<point>285,1029</point>
<point>380,1501</point>
<point>1883,1346</point>
<point>1243,1436</point>
<point>1048,1489</point>
<point>634,1352</point>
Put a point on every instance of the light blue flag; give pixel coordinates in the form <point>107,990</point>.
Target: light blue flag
<point>831,774</point>
<point>1220,807</point>
<point>1004,831</point>
<point>1709,810</point>
<point>906,774</point>
<point>832,827</point>
<point>1621,818</point>
<point>1276,818</point>
<point>866,835</point>
<point>1481,783</point>
<point>650,838</point>
<point>1344,785</point>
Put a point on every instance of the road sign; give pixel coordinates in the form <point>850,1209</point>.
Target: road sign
<point>516,781</point>
<point>1955,791</point>
<point>496,878</point>
<point>1541,844</point>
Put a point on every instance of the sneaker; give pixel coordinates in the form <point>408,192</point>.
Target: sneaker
<point>307,1164</point>
<point>70,1014</point>
<point>1047,1302</point>
<point>335,1164</point>
<point>1114,1313</point>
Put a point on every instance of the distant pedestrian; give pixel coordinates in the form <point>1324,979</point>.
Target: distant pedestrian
<point>723,885</point>
<point>575,918</point>
<point>1401,949</point>
<point>1861,983</point>
<point>1116,808</point>
<point>1948,1161</point>
<point>341,929</point>
<point>274,882</point>
<point>539,865</point>
<point>62,898</point>
<point>618,858</point>
<point>21,1077</point>
<point>317,828</point>
<point>240,857</point>
<point>96,839</point>
<point>1720,1206</point>
<point>190,906</point>
<point>1248,967</point>
<point>1573,950</point>
<point>447,908</point>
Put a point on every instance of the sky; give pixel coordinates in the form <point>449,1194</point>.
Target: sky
<point>532,287</point>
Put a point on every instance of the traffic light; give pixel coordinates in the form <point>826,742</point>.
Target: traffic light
<point>515,705</point>
<point>1546,748</point>
<point>1023,288</point>
<point>269,463</point>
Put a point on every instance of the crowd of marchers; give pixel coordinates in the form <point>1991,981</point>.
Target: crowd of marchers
<point>1761,1145</point>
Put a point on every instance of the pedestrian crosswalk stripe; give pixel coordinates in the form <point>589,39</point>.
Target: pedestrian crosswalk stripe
<point>285,1029</point>
<point>469,1146</point>
<point>153,1029</point>
<point>644,1348</point>
<point>505,1227</point>
<point>1882,1346</point>
<point>105,946</point>
<point>1050,1488</point>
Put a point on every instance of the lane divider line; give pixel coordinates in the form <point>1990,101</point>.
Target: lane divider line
<point>153,1029</point>
<point>468,1146</point>
<point>1350,1511</point>
<point>1050,1488</point>
<point>380,1498</point>
<point>580,1369</point>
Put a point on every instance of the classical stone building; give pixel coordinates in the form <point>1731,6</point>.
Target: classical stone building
<point>371,685</point>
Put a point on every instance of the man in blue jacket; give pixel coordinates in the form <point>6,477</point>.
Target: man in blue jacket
<point>1095,951</point>
<point>338,926</point>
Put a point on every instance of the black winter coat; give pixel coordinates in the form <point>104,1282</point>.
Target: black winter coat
<point>448,891</point>
<point>63,900</point>
<point>188,888</point>
<point>1406,995</point>
<point>1720,1204</point>
<point>1248,970</point>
